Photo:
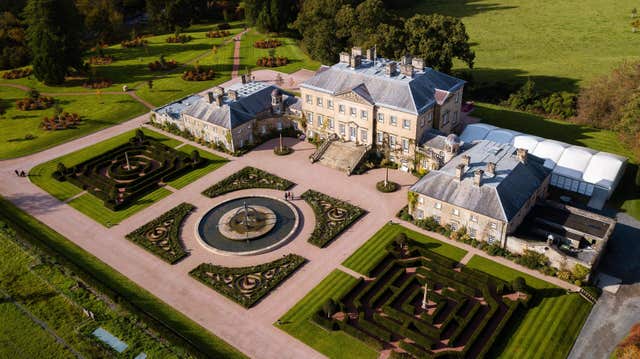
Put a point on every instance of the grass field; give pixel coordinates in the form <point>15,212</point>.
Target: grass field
<point>367,257</point>
<point>549,328</point>
<point>560,44</point>
<point>93,207</point>
<point>335,344</point>
<point>155,312</point>
<point>97,113</point>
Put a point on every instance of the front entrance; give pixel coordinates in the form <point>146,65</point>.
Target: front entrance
<point>352,134</point>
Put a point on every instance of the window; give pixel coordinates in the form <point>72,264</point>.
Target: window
<point>494,225</point>
<point>454,226</point>
<point>364,114</point>
<point>363,135</point>
<point>319,101</point>
<point>436,218</point>
<point>438,205</point>
<point>310,117</point>
<point>445,119</point>
<point>472,232</point>
<point>380,137</point>
<point>420,214</point>
<point>330,104</point>
<point>421,122</point>
<point>309,99</point>
<point>420,199</point>
<point>393,120</point>
<point>473,218</point>
<point>380,117</point>
<point>353,111</point>
<point>341,127</point>
<point>341,109</point>
<point>405,145</point>
<point>457,97</point>
<point>455,117</point>
<point>392,140</point>
<point>320,120</point>
<point>406,124</point>
<point>331,122</point>
<point>492,238</point>
<point>430,117</point>
<point>456,212</point>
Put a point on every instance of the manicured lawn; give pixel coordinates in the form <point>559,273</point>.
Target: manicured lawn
<point>372,252</point>
<point>155,312</point>
<point>334,344</point>
<point>97,113</point>
<point>22,338</point>
<point>41,174</point>
<point>94,208</point>
<point>558,43</point>
<point>549,328</point>
<point>627,194</point>
<point>215,162</point>
<point>289,48</point>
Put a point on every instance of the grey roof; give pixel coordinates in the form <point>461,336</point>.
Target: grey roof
<point>500,196</point>
<point>434,139</point>
<point>413,94</point>
<point>175,108</point>
<point>253,98</point>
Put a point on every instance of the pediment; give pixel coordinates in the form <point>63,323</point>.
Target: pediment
<point>358,94</point>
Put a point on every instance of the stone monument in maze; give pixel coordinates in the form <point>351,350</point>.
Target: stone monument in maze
<point>461,316</point>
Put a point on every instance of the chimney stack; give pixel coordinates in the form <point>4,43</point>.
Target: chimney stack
<point>371,54</point>
<point>356,51</point>
<point>406,59</point>
<point>210,95</point>
<point>521,154</point>
<point>459,172</point>
<point>407,70</point>
<point>390,69</point>
<point>418,63</point>
<point>219,100</point>
<point>356,57</point>
<point>218,90</point>
<point>466,160</point>
<point>244,79</point>
<point>233,95</point>
<point>477,177</point>
<point>491,169</point>
<point>345,58</point>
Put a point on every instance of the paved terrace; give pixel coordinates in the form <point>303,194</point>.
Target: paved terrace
<point>251,331</point>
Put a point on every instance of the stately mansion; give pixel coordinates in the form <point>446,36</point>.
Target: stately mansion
<point>378,102</point>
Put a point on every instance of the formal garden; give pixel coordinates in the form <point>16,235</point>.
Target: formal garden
<point>247,285</point>
<point>124,174</point>
<point>246,178</point>
<point>162,235</point>
<point>332,216</point>
<point>384,310</point>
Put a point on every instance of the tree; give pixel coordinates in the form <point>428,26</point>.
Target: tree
<point>102,18</point>
<point>14,52</point>
<point>52,35</point>
<point>360,24</point>
<point>518,284</point>
<point>271,15</point>
<point>438,39</point>
<point>167,14</point>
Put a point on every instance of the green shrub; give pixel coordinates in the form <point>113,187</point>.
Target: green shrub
<point>248,177</point>
<point>332,216</point>
<point>532,259</point>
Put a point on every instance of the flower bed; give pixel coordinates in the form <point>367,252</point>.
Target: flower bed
<point>16,74</point>
<point>247,285</point>
<point>271,61</point>
<point>267,44</point>
<point>62,121</point>
<point>101,60</point>
<point>97,84</point>
<point>214,34</point>
<point>332,216</point>
<point>199,75</point>
<point>137,42</point>
<point>179,39</point>
<point>161,236</point>
<point>162,65</point>
<point>248,177</point>
<point>37,103</point>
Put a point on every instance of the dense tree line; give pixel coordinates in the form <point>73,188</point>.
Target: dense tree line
<point>271,15</point>
<point>15,52</point>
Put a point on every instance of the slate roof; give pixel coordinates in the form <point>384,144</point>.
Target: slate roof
<point>500,196</point>
<point>414,94</point>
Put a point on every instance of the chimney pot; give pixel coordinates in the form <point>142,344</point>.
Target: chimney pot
<point>218,90</point>
<point>219,100</point>
<point>233,95</point>
<point>418,63</point>
<point>244,79</point>
<point>371,54</point>
<point>356,51</point>
<point>407,70</point>
<point>210,96</point>
<point>466,160</point>
<point>491,168</point>
<point>521,154</point>
<point>390,69</point>
<point>406,59</point>
<point>459,172</point>
<point>477,177</point>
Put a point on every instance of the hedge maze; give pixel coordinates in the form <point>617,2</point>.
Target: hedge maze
<point>247,285</point>
<point>465,312</point>
<point>124,174</point>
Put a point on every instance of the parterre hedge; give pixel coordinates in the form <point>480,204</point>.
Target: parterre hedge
<point>247,285</point>
<point>248,177</point>
<point>161,236</point>
<point>332,216</point>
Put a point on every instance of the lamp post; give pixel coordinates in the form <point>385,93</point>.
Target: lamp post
<point>424,297</point>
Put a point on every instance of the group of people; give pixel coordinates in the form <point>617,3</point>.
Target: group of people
<point>21,173</point>
<point>288,196</point>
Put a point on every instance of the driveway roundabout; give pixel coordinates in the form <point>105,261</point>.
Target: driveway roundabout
<point>248,225</point>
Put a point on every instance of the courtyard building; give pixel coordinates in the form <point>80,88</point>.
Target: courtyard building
<point>231,118</point>
<point>381,103</point>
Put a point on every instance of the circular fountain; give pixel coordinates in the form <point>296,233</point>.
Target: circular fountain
<point>247,225</point>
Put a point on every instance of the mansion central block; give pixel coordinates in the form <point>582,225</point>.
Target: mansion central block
<point>375,101</point>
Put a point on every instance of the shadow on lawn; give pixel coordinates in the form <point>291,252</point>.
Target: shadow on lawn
<point>457,8</point>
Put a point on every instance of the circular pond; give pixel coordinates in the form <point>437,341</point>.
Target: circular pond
<point>247,225</point>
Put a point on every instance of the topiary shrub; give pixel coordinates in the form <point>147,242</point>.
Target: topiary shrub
<point>267,44</point>
<point>16,73</point>
<point>388,187</point>
<point>272,61</point>
<point>218,34</point>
